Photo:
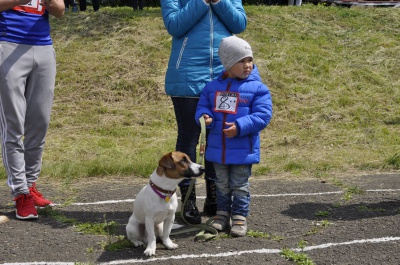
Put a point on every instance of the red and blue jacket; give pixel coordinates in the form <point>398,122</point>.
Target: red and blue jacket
<point>26,24</point>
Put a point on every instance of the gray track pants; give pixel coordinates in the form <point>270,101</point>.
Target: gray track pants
<point>27,79</point>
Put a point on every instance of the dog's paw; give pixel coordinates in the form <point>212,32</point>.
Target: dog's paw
<point>149,252</point>
<point>137,243</point>
<point>169,244</point>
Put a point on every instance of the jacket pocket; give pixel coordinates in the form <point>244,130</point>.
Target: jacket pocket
<point>178,62</point>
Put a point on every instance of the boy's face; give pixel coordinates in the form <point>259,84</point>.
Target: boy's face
<point>241,69</point>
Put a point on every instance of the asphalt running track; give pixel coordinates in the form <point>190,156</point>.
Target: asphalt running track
<point>377,207</point>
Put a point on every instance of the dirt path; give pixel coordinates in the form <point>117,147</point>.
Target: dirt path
<point>306,212</point>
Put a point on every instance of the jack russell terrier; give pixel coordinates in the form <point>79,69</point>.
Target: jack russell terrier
<point>155,205</point>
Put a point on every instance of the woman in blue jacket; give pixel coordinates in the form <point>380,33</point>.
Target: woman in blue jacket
<point>196,27</point>
<point>236,107</point>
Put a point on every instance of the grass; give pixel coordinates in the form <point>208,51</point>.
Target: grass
<point>317,227</point>
<point>107,228</point>
<point>351,191</point>
<point>332,72</point>
<point>322,213</point>
<point>298,258</point>
<point>56,215</point>
<point>121,243</point>
<point>257,234</point>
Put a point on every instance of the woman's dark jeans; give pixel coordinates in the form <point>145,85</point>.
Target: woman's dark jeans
<point>189,133</point>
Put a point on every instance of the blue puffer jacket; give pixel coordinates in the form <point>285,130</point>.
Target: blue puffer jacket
<point>254,112</point>
<point>197,29</point>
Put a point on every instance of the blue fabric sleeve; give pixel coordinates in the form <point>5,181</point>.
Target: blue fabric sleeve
<point>177,19</point>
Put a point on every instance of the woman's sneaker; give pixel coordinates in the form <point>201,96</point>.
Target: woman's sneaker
<point>190,212</point>
<point>38,198</point>
<point>25,207</point>
<point>239,226</point>
<point>221,221</point>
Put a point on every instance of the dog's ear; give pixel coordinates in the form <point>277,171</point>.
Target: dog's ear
<point>160,170</point>
<point>166,162</point>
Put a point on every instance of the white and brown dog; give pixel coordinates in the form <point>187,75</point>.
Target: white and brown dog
<point>155,205</point>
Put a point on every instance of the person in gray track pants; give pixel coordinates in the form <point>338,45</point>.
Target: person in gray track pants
<point>27,80</point>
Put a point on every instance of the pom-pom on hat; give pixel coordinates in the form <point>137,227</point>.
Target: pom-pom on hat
<point>233,49</point>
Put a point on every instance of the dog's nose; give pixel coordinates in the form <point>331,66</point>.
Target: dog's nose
<point>202,169</point>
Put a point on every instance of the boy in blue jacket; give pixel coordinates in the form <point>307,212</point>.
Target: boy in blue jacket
<point>236,107</point>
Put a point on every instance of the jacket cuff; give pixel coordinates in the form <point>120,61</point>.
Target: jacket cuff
<point>237,129</point>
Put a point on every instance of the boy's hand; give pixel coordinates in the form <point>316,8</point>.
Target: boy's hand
<point>231,131</point>
<point>207,119</point>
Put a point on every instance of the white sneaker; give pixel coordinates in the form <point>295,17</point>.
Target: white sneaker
<point>239,226</point>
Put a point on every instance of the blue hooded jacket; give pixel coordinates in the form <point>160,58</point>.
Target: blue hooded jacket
<point>253,113</point>
<point>197,29</point>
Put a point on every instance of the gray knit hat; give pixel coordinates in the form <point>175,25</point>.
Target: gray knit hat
<point>233,49</point>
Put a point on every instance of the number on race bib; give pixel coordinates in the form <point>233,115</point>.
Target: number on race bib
<point>33,7</point>
<point>226,102</point>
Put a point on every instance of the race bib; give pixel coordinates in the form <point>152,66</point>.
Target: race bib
<point>226,102</point>
<point>32,7</point>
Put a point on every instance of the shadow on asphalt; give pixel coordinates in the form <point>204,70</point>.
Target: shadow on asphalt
<point>312,210</point>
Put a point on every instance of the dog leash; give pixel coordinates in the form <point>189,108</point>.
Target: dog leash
<point>202,148</point>
<point>206,231</point>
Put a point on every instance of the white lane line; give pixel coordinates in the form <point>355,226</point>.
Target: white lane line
<point>99,202</point>
<point>227,254</point>
<point>361,241</point>
<point>389,190</point>
<point>40,263</point>
<point>255,251</point>
<point>298,194</point>
<point>253,195</point>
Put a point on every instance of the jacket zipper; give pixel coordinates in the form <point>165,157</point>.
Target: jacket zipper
<point>251,144</point>
<point>223,158</point>
<point>211,43</point>
<point>181,52</point>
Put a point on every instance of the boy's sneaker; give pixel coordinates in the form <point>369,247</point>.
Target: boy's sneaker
<point>25,207</point>
<point>221,221</point>
<point>38,198</point>
<point>239,226</point>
